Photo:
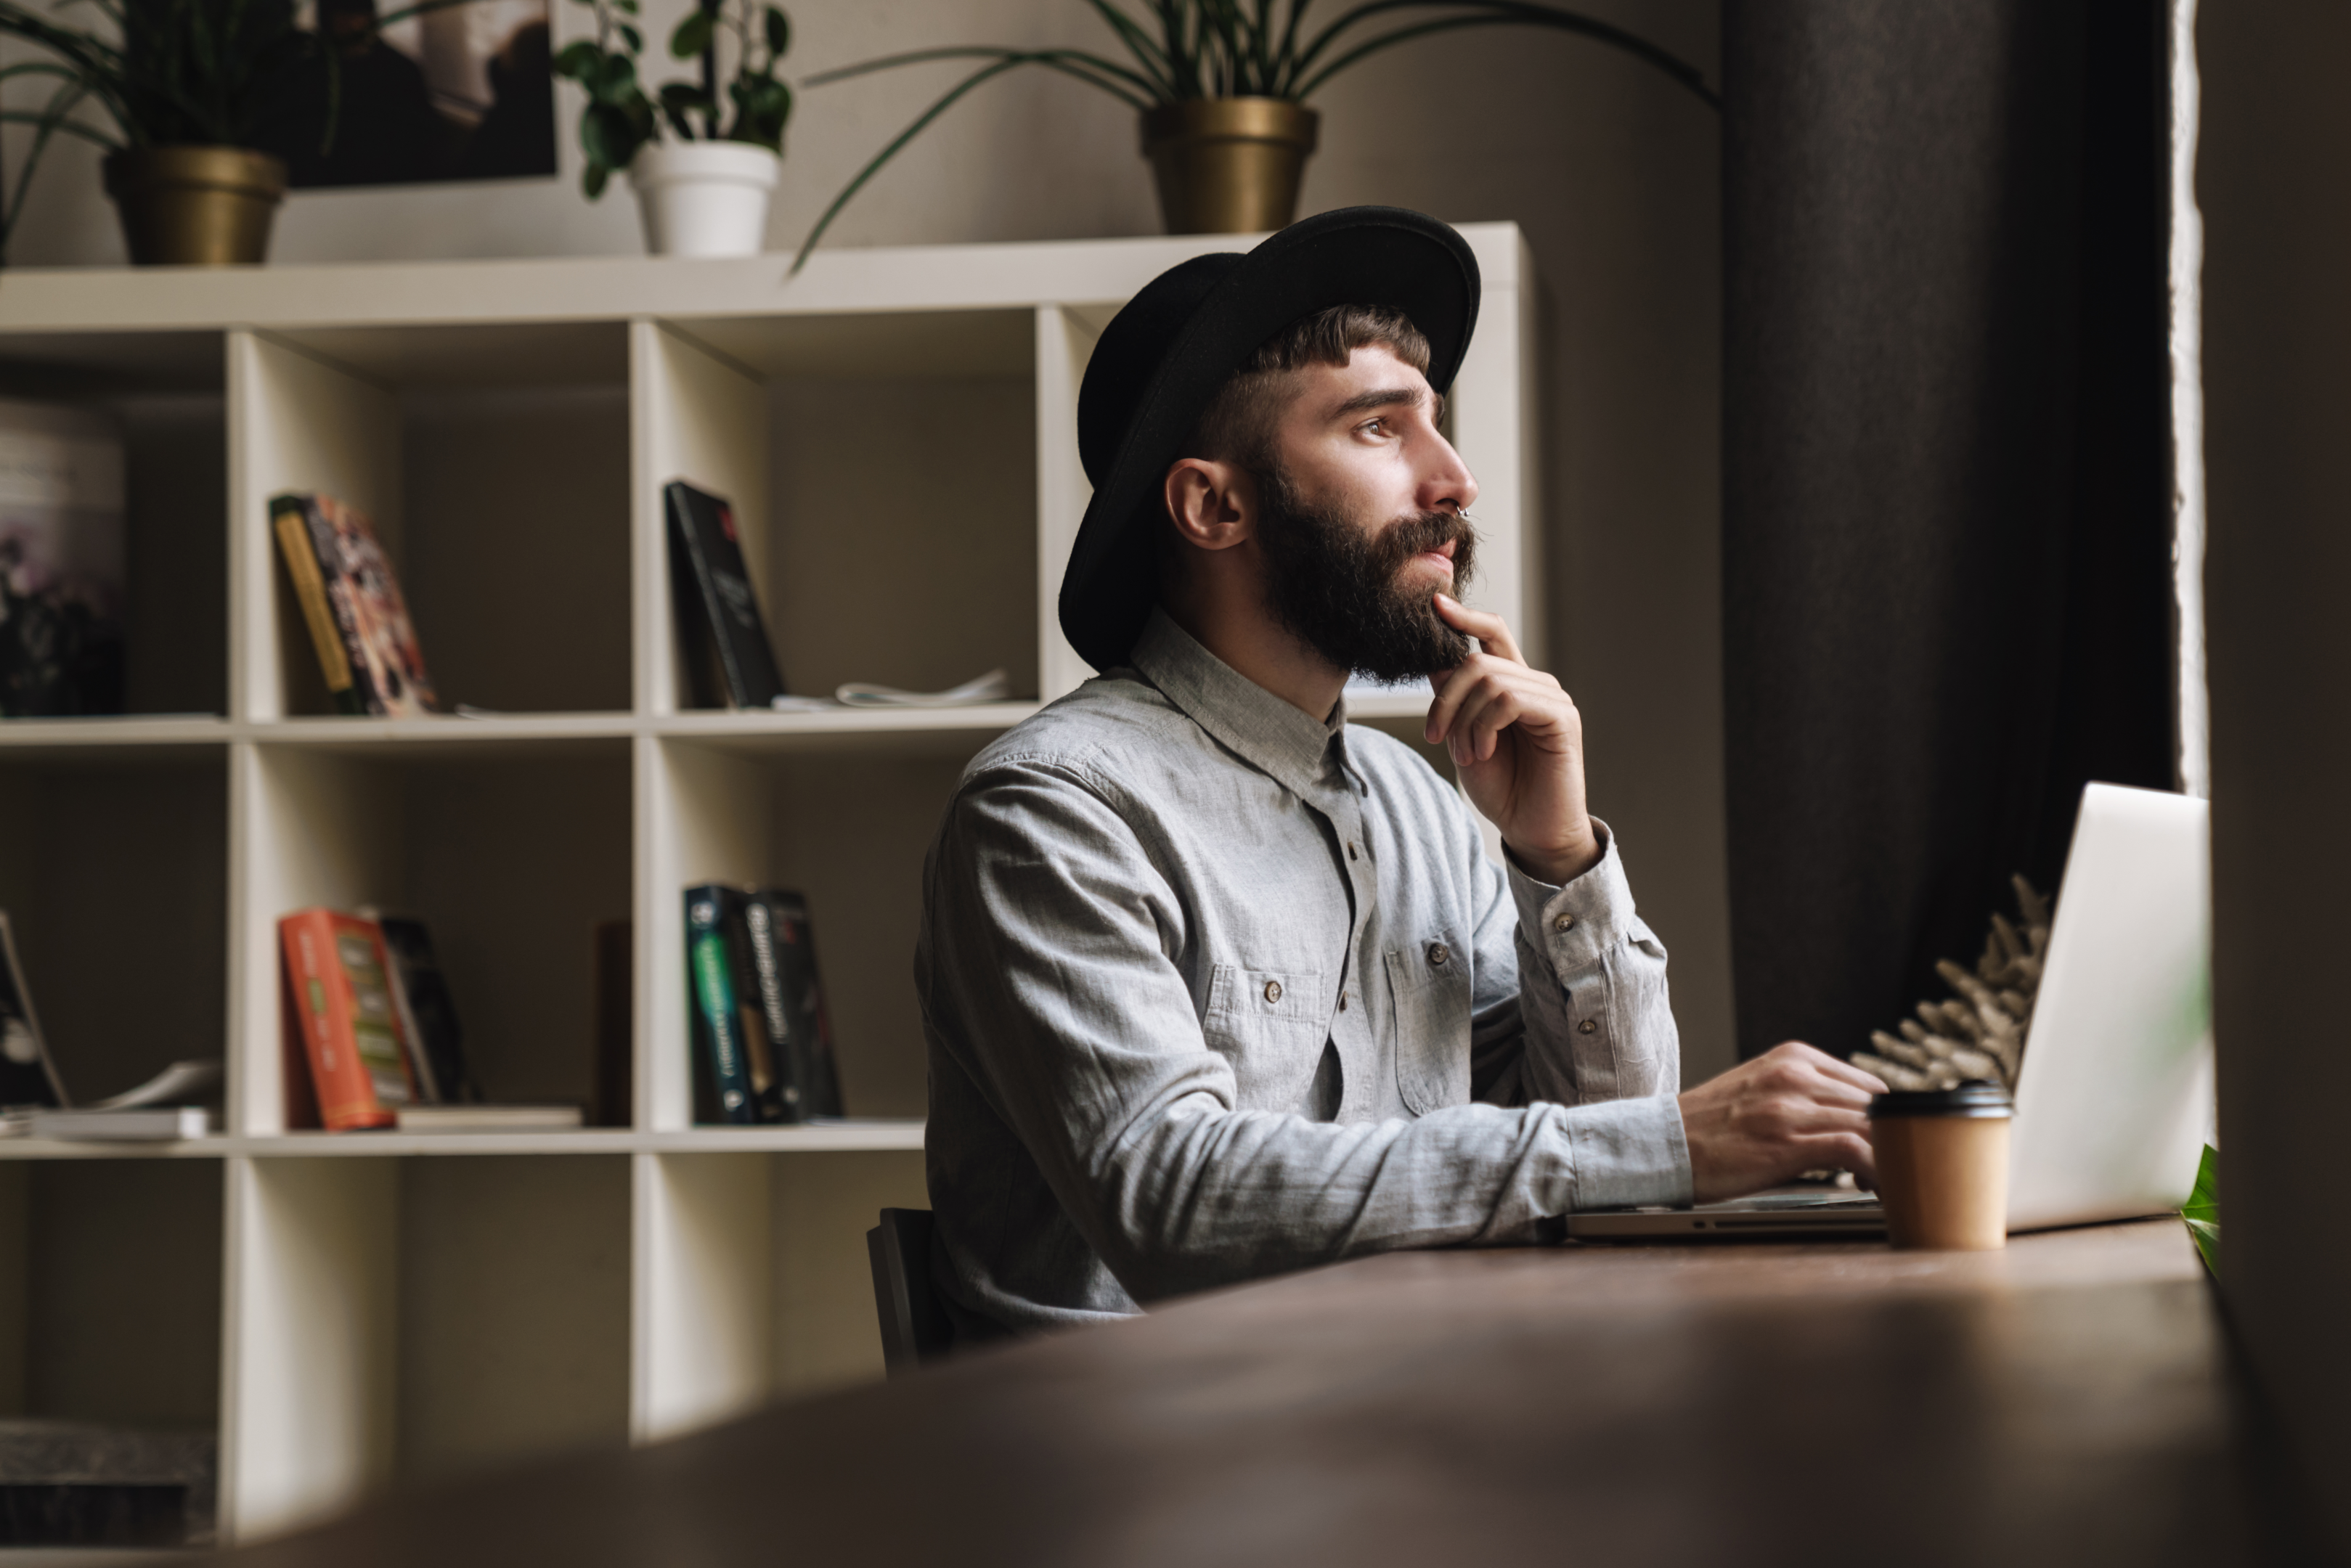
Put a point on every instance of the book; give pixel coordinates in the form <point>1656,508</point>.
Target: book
<point>61,561</point>
<point>486,1118</point>
<point>352,603</point>
<point>428,1013</point>
<point>759,974</point>
<point>142,1124</point>
<point>27,1077</point>
<point>722,638</point>
<point>350,1026</point>
<point>722,1075</point>
<point>804,997</point>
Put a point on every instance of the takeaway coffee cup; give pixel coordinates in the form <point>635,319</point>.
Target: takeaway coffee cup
<point>1942,1165</point>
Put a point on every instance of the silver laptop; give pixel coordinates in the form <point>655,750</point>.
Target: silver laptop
<point>2115,1103</point>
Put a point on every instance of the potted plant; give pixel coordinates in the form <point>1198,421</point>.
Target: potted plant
<point>187,95</point>
<point>1221,89</point>
<point>180,91</point>
<point>706,193</point>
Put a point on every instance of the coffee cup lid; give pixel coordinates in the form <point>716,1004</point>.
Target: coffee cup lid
<point>1977,1097</point>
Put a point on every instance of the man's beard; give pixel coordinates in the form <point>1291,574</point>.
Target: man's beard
<point>1338,587</point>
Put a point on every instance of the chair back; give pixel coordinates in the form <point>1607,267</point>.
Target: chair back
<point>915,1326</point>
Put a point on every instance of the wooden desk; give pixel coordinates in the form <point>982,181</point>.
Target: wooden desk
<point>2063,1402</point>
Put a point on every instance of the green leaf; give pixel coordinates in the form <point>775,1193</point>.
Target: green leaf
<point>693,34</point>
<point>578,60</point>
<point>625,7</point>
<point>636,39</point>
<point>611,135</point>
<point>779,31</point>
<point>592,179</point>
<point>2202,1210</point>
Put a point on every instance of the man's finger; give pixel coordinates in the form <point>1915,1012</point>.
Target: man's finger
<point>1490,629</point>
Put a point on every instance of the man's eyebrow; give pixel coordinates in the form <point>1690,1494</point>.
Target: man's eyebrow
<point>1379,397</point>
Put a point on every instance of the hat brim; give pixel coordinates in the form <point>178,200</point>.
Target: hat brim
<point>1387,256</point>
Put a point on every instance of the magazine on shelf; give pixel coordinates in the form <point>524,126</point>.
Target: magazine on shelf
<point>27,1077</point>
<point>352,603</point>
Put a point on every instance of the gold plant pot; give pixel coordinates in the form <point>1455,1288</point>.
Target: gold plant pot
<point>1229,165</point>
<point>195,206</point>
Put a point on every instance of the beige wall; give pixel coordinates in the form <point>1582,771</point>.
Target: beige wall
<point>1612,171</point>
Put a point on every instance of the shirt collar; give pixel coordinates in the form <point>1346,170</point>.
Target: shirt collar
<point>1268,731</point>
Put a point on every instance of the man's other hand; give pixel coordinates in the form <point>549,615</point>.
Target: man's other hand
<point>1790,1110</point>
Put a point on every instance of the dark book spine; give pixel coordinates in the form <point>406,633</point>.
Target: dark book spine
<point>439,1039</point>
<point>717,1025</point>
<point>697,639</point>
<point>804,995</point>
<point>704,527</point>
<point>751,1023</point>
<point>615,1025</point>
<point>787,1044</point>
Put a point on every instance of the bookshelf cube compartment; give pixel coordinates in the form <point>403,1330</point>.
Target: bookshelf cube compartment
<point>511,853</point>
<point>111,1291</point>
<point>110,1312</point>
<point>164,393</point>
<point>493,464</point>
<point>848,829</point>
<point>883,473</point>
<point>114,884</point>
<point>758,1283</point>
<point>406,1319</point>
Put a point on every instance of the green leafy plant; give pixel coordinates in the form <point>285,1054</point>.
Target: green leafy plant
<point>621,118</point>
<point>2201,1212</point>
<point>1180,49</point>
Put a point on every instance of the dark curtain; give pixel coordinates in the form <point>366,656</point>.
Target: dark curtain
<point>1946,516</point>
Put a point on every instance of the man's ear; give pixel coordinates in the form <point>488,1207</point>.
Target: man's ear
<point>1213,504</point>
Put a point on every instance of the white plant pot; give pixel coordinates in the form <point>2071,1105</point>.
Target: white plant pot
<point>705,198</point>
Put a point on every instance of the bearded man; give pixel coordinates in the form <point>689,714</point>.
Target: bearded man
<point>1216,985</point>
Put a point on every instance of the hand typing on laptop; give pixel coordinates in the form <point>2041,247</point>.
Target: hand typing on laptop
<point>1790,1110</point>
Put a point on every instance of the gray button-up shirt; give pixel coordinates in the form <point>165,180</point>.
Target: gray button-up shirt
<point>1214,990</point>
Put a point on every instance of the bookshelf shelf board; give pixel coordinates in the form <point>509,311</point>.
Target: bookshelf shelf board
<point>901,731</point>
<point>848,1136</point>
<point>212,1148</point>
<point>442,735</point>
<point>110,735</point>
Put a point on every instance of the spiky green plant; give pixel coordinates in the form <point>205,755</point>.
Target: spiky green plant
<point>1181,50</point>
<point>161,73</point>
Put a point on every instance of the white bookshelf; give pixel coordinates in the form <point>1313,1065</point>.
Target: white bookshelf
<point>897,430</point>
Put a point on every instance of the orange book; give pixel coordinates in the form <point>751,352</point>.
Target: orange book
<point>340,979</point>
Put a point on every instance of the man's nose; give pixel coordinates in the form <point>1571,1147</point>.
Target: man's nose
<point>1449,481</point>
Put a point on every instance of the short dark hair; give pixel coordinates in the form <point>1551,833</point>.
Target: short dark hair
<point>1238,425</point>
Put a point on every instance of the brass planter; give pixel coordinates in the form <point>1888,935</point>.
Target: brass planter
<point>195,206</point>
<point>1229,165</point>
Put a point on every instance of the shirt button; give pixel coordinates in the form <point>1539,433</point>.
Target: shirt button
<point>1586,1027</point>
<point>1564,923</point>
<point>1273,990</point>
<point>1351,850</point>
<point>1437,954</point>
<point>1343,1001</point>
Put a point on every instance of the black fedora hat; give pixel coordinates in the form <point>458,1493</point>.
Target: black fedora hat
<point>1165,355</point>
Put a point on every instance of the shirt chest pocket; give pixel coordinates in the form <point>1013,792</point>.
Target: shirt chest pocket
<point>1428,993</point>
<point>1270,1025</point>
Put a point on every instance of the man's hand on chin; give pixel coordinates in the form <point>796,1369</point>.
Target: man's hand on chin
<point>1518,742</point>
<point>1790,1110</point>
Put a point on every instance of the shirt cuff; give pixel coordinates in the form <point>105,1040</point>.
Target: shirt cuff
<point>1574,926</point>
<point>1628,1152</point>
